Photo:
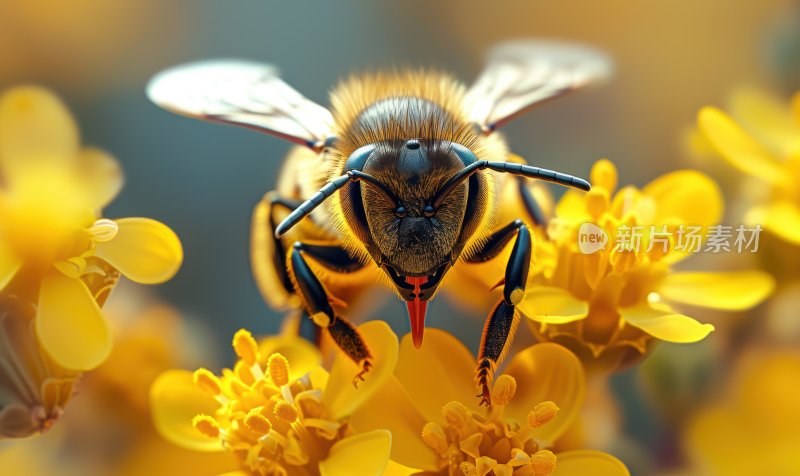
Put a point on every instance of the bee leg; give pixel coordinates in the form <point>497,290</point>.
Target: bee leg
<point>309,330</point>
<point>317,303</point>
<point>268,254</point>
<point>535,212</point>
<point>347,337</point>
<point>497,336</point>
<point>503,319</point>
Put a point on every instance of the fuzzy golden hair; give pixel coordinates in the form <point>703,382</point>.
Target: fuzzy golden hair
<point>357,93</point>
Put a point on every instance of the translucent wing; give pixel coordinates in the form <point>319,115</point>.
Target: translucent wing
<point>521,75</point>
<point>242,93</point>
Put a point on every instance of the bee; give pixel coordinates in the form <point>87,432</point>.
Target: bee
<point>397,183</point>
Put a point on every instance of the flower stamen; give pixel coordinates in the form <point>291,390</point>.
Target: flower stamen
<point>433,436</point>
<point>256,422</point>
<point>206,425</point>
<point>207,381</point>
<point>286,412</point>
<point>542,414</point>
<point>455,414</point>
<point>504,389</point>
<point>103,230</point>
<point>278,368</point>
<point>543,462</point>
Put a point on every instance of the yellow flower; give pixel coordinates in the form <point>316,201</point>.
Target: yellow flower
<point>754,430</point>
<point>108,429</point>
<point>608,305</point>
<point>277,410</point>
<point>54,244</point>
<point>763,142</point>
<point>437,426</point>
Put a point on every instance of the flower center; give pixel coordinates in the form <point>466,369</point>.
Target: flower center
<point>273,424</point>
<point>44,216</point>
<point>479,444</point>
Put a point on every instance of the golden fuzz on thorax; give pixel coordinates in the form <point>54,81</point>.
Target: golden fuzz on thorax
<point>355,94</point>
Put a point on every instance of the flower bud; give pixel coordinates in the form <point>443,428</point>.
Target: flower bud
<point>35,389</point>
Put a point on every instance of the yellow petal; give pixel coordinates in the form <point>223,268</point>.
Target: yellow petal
<point>303,356</point>
<point>9,265</point>
<point>69,324</point>
<point>144,250</point>
<point>587,462</point>
<point>677,196</point>
<point>101,175</point>
<point>35,126</point>
<point>174,401</point>
<point>341,397</point>
<point>440,372</point>
<point>714,443</point>
<point>547,372</point>
<point>729,291</point>
<point>768,118</point>
<point>397,469</point>
<point>662,323</point>
<point>405,423</point>
<point>572,207</point>
<point>781,218</point>
<point>737,147</point>
<point>551,305</point>
<point>768,390</point>
<point>363,454</point>
<point>151,450</point>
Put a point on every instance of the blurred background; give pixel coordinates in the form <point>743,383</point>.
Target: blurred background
<point>203,180</point>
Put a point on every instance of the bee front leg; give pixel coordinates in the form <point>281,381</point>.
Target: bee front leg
<point>317,302</point>
<point>535,212</point>
<point>503,319</point>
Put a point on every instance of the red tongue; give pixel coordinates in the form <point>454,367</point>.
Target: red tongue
<point>416,310</point>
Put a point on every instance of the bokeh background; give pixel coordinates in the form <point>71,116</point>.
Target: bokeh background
<point>203,180</point>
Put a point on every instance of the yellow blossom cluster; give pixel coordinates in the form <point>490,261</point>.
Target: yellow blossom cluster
<point>59,257</point>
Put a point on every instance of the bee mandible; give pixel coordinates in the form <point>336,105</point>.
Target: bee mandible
<point>399,178</point>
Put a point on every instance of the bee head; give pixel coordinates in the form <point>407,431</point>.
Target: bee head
<point>413,237</point>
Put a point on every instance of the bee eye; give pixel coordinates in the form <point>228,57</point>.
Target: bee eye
<point>401,212</point>
<point>428,211</point>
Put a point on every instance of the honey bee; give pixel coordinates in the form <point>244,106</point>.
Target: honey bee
<point>407,164</point>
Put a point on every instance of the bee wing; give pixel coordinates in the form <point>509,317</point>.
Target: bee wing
<point>520,75</point>
<point>242,93</point>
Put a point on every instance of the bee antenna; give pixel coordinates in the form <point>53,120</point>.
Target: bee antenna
<point>512,168</point>
<point>326,191</point>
